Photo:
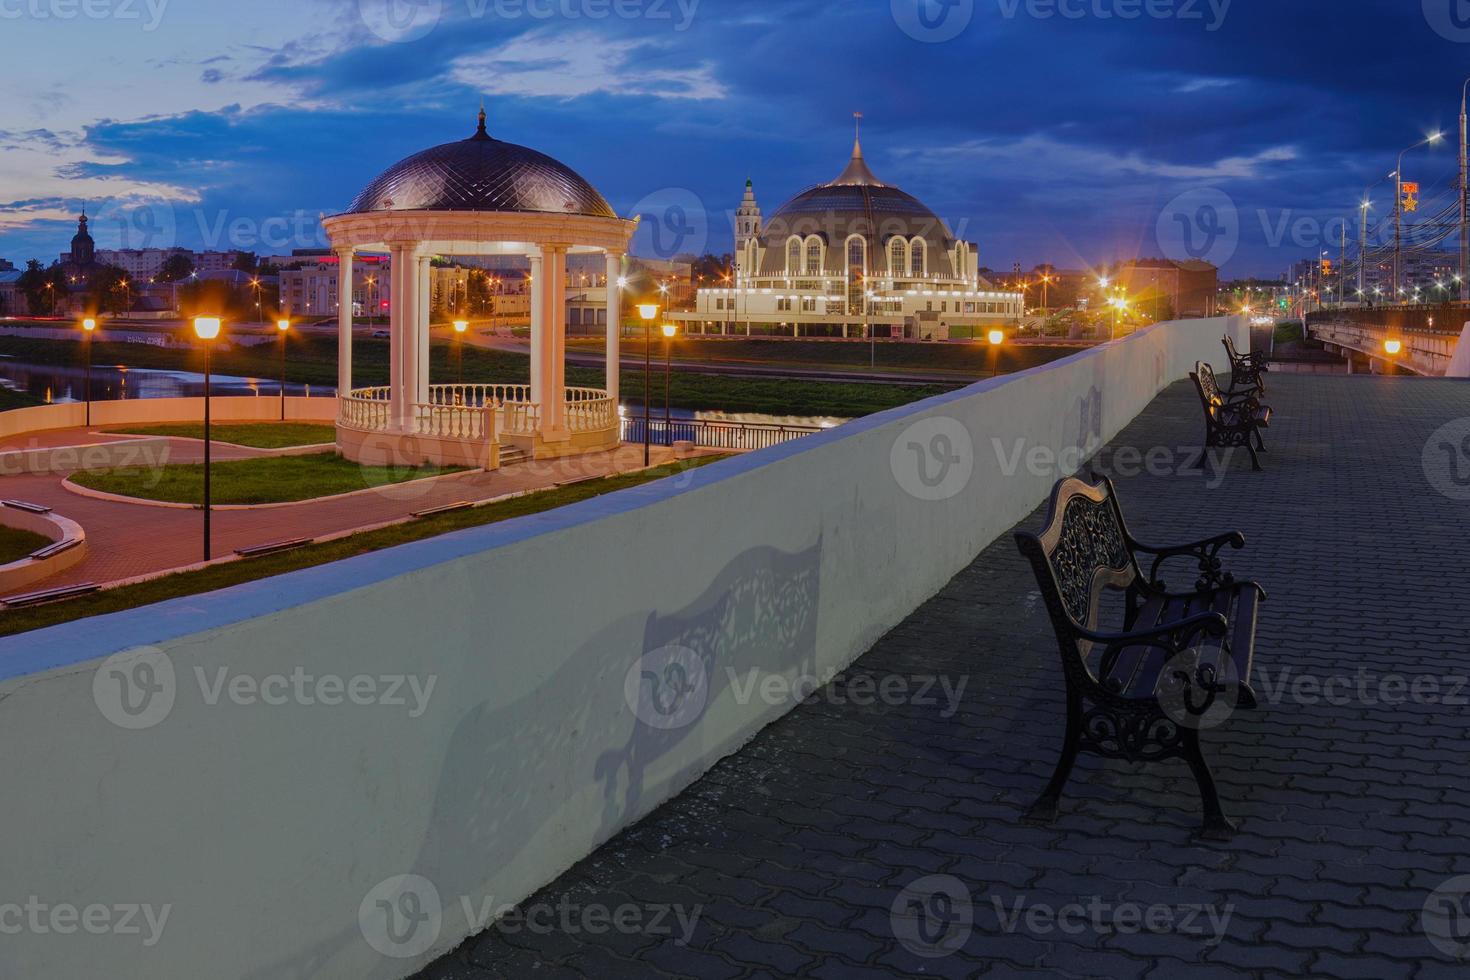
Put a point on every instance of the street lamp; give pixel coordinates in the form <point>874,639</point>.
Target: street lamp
<point>648,312</point>
<point>1398,202</point>
<point>670,331</point>
<point>206,328</point>
<point>996,338</point>
<point>283,326</point>
<point>89,325</point>
<point>460,326</point>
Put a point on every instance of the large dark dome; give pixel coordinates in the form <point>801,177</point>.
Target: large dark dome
<point>856,203</point>
<point>482,174</point>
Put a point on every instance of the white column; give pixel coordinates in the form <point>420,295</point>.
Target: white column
<point>344,322</point>
<point>614,324</point>
<point>554,266</point>
<point>538,336</point>
<point>426,295</point>
<point>399,261</point>
<point>409,345</point>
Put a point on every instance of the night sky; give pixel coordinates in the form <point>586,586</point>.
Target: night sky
<point>1069,131</point>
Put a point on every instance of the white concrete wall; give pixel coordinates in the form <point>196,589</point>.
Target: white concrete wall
<point>264,828</point>
<point>153,411</point>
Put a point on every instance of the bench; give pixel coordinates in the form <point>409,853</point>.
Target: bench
<point>1179,664</point>
<point>1232,419</point>
<point>1247,371</point>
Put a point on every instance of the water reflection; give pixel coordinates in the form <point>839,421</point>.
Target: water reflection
<point>66,383</point>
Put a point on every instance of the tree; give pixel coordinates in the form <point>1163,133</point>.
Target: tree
<point>106,290</point>
<point>42,287</point>
<point>176,268</point>
<point>246,262</point>
<point>712,267</point>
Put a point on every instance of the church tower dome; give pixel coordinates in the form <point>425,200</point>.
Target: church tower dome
<point>83,249</point>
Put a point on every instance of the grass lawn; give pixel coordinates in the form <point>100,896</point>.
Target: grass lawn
<point>15,544</point>
<point>269,480</point>
<point>248,570</point>
<point>257,435</point>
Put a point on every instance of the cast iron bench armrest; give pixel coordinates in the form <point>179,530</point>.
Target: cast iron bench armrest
<point>1206,552</point>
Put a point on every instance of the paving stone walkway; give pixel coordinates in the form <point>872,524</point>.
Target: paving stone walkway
<point>1353,809</point>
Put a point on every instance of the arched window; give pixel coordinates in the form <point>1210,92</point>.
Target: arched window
<point>918,264</point>
<point>793,256</point>
<point>857,267</point>
<point>898,257</point>
<point>857,254</point>
<point>814,256</point>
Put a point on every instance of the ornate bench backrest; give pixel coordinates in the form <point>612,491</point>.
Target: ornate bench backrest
<point>1208,387</point>
<point>1082,550</point>
<point>1230,349</point>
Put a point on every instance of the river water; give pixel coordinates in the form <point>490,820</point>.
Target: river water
<point>53,383</point>
<point>66,383</point>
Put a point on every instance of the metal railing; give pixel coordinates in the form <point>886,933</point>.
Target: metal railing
<point>733,436</point>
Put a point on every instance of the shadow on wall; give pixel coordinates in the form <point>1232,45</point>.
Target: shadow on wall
<point>758,617</point>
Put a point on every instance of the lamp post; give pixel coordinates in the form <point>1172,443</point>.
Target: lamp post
<point>670,331</point>
<point>996,338</point>
<point>89,325</point>
<point>1464,279</point>
<point>460,326</point>
<point>207,329</point>
<point>868,328</point>
<point>283,326</point>
<point>1398,206</point>
<point>649,312</point>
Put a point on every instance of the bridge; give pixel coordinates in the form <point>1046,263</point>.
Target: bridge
<point>1427,340</point>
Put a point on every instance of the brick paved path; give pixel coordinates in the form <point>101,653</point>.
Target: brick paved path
<point>1350,813</point>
